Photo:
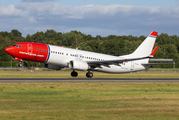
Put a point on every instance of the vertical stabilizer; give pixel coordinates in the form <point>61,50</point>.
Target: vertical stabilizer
<point>146,46</point>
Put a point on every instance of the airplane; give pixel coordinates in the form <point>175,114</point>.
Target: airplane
<point>55,57</point>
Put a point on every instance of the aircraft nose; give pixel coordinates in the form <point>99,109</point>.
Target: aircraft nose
<point>8,50</point>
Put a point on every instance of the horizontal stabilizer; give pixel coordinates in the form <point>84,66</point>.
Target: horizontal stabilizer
<point>150,64</point>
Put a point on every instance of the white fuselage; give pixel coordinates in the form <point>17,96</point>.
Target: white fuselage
<point>61,56</point>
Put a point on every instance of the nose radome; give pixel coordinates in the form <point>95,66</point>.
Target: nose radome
<point>8,49</point>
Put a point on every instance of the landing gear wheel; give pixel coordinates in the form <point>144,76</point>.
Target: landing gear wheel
<point>74,74</point>
<point>89,74</point>
<point>20,64</point>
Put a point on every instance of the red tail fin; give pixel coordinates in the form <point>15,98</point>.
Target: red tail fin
<point>154,33</point>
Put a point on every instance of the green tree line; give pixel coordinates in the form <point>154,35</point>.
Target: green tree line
<point>112,44</point>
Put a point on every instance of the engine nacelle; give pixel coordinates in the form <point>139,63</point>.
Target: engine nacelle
<point>52,66</point>
<point>78,65</point>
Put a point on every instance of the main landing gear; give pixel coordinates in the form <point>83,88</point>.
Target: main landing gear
<point>88,74</point>
<point>74,74</point>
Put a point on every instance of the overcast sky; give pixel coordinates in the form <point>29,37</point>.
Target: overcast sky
<point>95,17</point>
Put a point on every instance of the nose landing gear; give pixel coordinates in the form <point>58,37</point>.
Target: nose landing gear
<point>20,64</point>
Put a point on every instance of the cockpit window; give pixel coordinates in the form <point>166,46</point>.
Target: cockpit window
<point>17,46</point>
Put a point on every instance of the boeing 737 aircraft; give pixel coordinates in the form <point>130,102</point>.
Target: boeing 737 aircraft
<point>55,57</point>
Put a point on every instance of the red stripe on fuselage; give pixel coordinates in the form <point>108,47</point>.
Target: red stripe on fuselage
<point>37,52</point>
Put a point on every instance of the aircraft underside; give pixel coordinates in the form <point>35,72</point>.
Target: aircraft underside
<point>112,69</point>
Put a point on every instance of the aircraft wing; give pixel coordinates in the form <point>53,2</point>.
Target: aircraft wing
<point>116,62</point>
<point>109,62</point>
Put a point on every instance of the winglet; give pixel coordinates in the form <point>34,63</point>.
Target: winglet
<point>154,33</point>
<point>154,51</point>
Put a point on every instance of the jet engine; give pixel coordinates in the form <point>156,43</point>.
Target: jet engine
<point>52,66</point>
<point>78,65</point>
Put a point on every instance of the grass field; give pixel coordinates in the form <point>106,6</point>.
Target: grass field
<point>66,74</point>
<point>88,101</point>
